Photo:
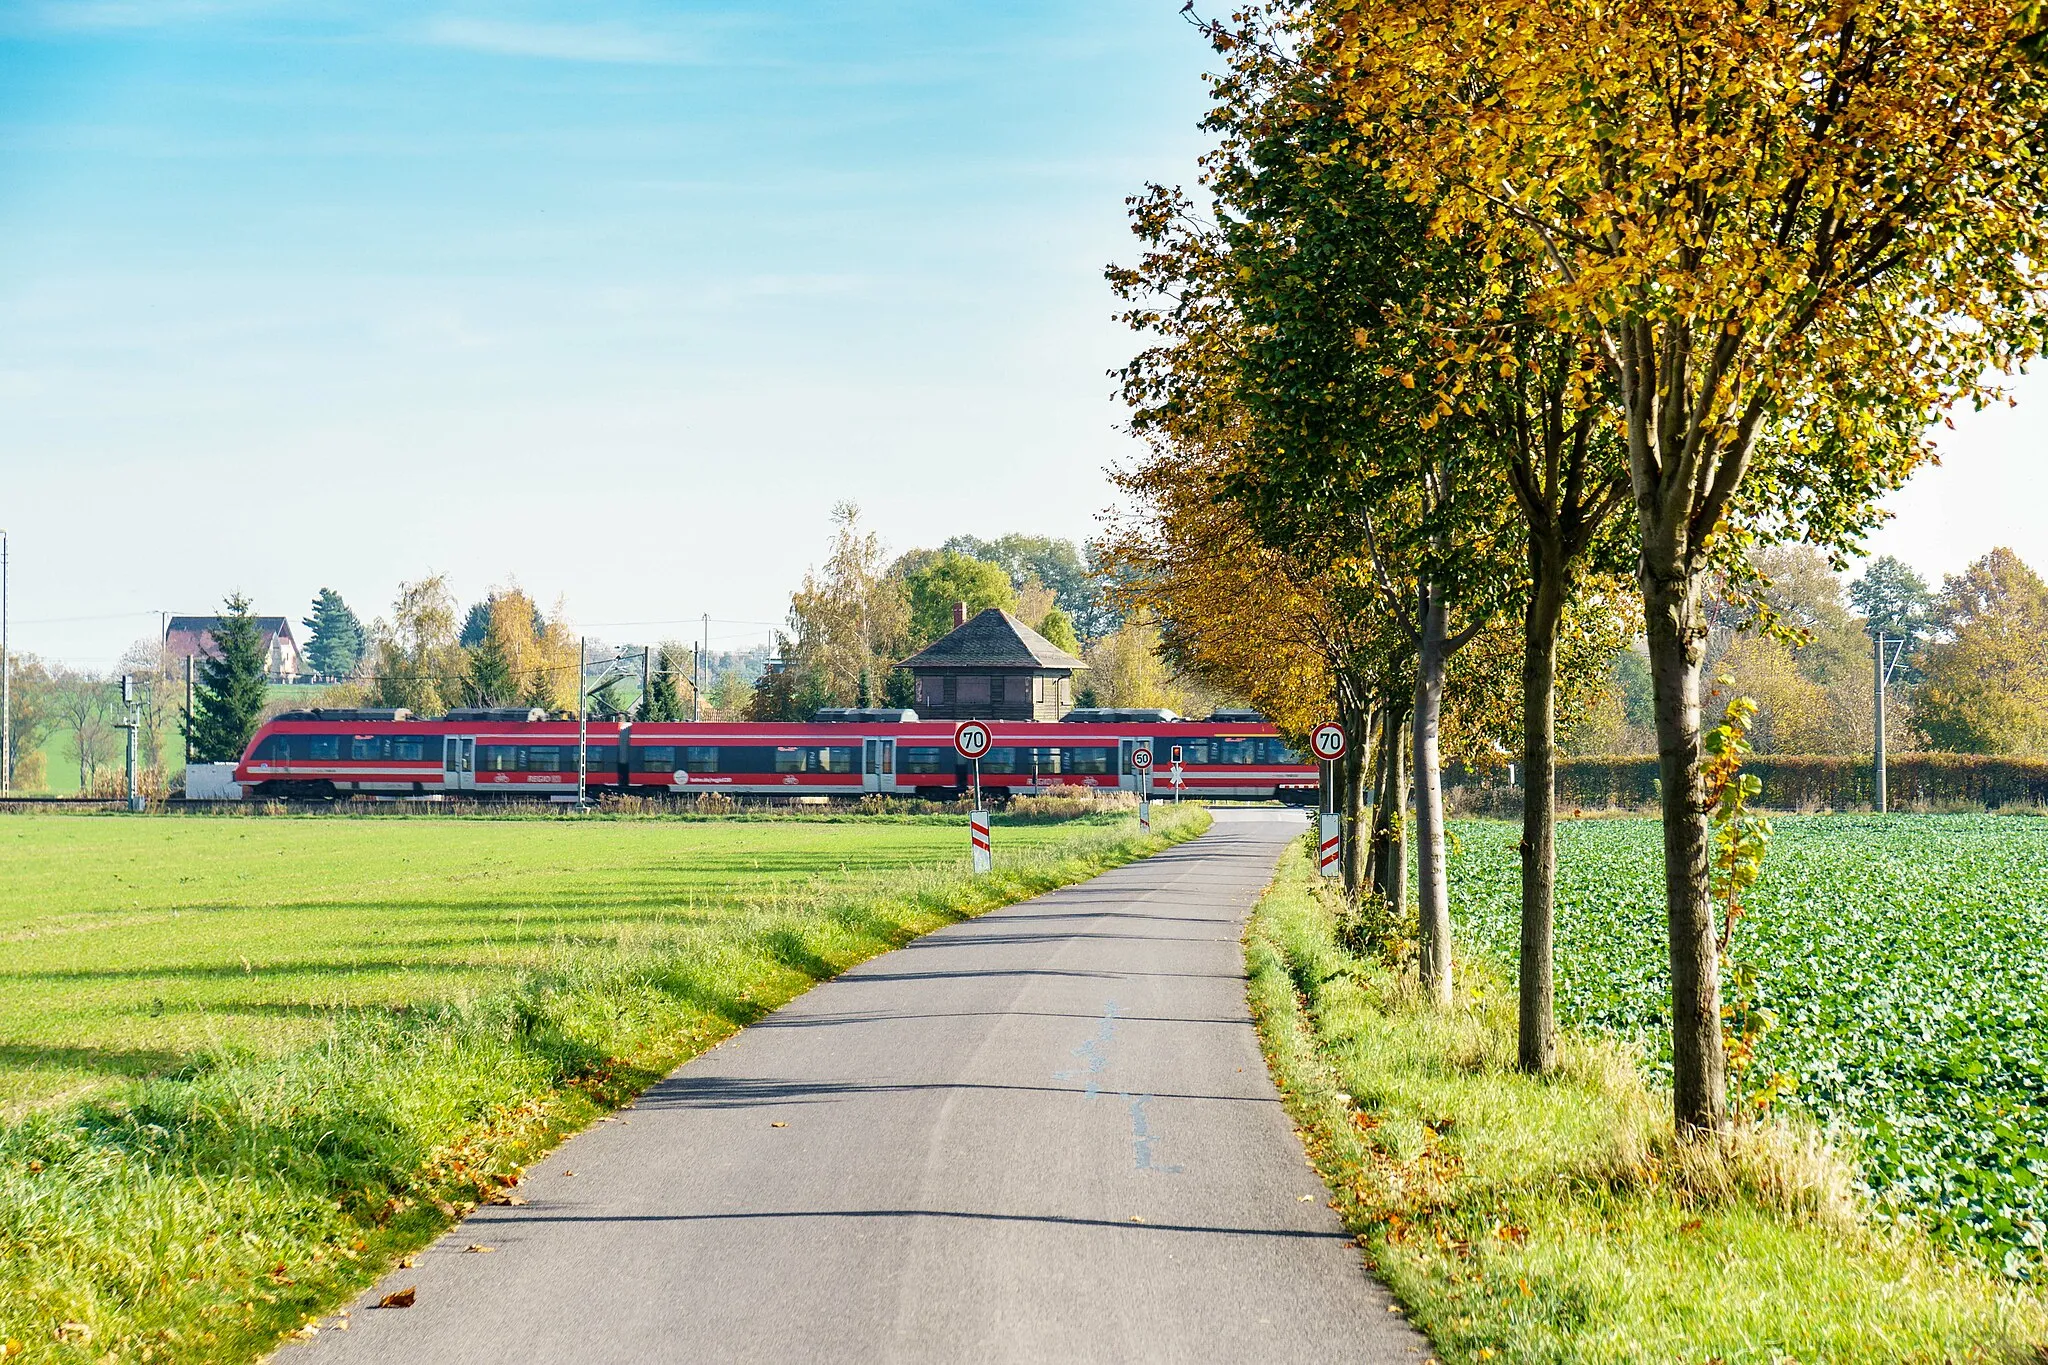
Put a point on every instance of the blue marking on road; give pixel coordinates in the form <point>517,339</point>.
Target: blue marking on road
<point>1094,1056</point>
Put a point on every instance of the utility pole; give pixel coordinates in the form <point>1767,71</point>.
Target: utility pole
<point>582,722</point>
<point>646,678</point>
<point>6,682</point>
<point>1881,672</point>
<point>188,710</point>
<point>697,673</point>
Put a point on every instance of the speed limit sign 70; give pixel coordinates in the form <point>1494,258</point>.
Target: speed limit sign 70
<point>1328,741</point>
<point>971,739</point>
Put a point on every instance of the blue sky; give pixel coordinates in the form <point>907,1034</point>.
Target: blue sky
<point>616,300</point>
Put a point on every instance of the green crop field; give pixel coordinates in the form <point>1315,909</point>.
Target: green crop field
<point>1907,957</point>
<point>132,945</point>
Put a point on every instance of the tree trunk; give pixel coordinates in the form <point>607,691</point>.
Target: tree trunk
<point>1698,1061</point>
<point>1356,767</point>
<point>1537,1050</point>
<point>1388,803</point>
<point>1433,898</point>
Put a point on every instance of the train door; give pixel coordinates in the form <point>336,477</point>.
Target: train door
<point>878,765</point>
<point>1128,776</point>
<point>458,763</point>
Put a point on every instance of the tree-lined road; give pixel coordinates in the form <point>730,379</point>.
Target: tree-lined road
<point>1045,1134</point>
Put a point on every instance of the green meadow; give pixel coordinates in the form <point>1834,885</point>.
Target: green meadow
<point>132,946</point>
<point>249,1061</point>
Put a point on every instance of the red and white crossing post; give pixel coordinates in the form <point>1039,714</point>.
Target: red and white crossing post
<point>972,739</point>
<point>1329,744</point>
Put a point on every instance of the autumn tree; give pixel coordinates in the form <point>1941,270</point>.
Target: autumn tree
<point>418,659</point>
<point>1984,686</point>
<point>1793,233</point>
<point>847,622</point>
<point>32,713</point>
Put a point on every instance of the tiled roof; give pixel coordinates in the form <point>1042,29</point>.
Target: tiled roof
<point>994,639</point>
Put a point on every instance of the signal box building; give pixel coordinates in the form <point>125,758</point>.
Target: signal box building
<point>993,667</point>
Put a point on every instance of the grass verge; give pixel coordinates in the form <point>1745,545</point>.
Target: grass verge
<point>1525,1220</point>
<point>204,1214</point>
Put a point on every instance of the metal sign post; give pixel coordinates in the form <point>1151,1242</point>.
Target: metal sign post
<point>1329,744</point>
<point>972,739</point>
<point>1141,762</point>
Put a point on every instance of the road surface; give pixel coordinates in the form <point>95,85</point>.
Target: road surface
<point>1045,1134</point>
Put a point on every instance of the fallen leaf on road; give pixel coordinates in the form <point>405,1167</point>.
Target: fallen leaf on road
<point>479,1249</point>
<point>1136,1219</point>
<point>308,1332</point>
<point>778,1125</point>
<point>568,1173</point>
<point>401,1298</point>
<point>506,1197</point>
<point>1305,1198</point>
<point>408,1262</point>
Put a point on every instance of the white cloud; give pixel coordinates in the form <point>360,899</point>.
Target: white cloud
<point>555,42</point>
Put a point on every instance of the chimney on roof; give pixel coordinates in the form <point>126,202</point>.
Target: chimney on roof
<point>959,615</point>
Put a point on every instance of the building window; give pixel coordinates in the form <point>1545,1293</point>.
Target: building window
<point>1038,688</point>
<point>1019,690</point>
<point>930,692</point>
<point>973,691</point>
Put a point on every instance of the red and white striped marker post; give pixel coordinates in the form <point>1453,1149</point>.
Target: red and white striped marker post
<point>972,739</point>
<point>1329,744</point>
<point>977,831</point>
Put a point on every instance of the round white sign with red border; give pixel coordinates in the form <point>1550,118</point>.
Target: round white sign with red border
<point>972,739</point>
<point>1141,759</point>
<point>1328,741</point>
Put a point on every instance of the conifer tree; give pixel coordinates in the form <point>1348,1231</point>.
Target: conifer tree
<point>335,645</point>
<point>231,687</point>
<point>490,673</point>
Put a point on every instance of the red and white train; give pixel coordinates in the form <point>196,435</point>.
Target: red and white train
<point>516,754</point>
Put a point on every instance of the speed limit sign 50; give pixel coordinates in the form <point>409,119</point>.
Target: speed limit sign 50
<point>1141,759</point>
<point>971,739</point>
<point>1328,741</point>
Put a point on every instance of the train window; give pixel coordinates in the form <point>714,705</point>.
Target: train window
<point>273,747</point>
<point>1089,760</point>
<point>1045,762</point>
<point>1004,761</point>
<point>838,758</point>
<point>541,758</point>
<point>597,758</point>
<point>1239,751</point>
<point>750,759</point>
<point>413,750</point>
<point>655,758</point>
<point>366,746</point>
<point>926,761</point>
<point>497,758</point>
<point>789,760</point>
<point>1278,752</point>
<point>700,758</point>
<point>323,746</point>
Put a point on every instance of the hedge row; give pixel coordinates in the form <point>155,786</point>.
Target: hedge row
<point>1807,781</point>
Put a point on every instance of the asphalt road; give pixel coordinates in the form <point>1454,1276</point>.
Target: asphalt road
<point>1045,1134</point>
